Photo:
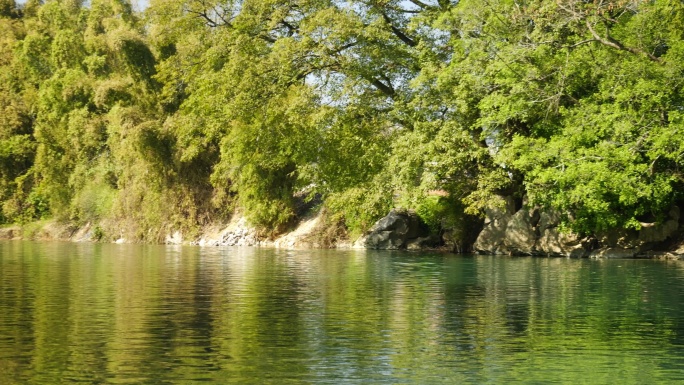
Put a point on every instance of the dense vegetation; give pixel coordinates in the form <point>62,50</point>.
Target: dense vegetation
<point>175,117</point>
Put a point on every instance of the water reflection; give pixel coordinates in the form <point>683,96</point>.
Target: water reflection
<point>152,314</point>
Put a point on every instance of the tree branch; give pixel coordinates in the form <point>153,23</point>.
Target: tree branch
<point>291,28</point>
<point>580,43</point>
<point>343,47</point>
<point>610,42</point>
<point>267,38</point>
<point>420,4</point>
<point>221,16</point>
<point>384,88</point>
<point>203,15</point>
<point>402,36</point>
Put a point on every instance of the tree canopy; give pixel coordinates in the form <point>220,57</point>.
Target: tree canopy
<point>174,117</point>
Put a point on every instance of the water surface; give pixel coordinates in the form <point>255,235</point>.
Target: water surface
<point>100,313</point>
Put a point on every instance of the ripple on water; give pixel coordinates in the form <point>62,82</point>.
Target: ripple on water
<point>147,314</point>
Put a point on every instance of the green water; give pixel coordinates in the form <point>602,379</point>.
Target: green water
<point>93,314</point>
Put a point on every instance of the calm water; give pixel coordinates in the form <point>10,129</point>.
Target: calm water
<point>91,313</point>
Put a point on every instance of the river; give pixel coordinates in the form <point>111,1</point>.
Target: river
<point>141,314</point>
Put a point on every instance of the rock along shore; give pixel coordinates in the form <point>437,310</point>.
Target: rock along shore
<point>505,231</point>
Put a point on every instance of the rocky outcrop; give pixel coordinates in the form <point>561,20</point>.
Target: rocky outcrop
<point>239,237</point>
<point>400,229</point>
<point>506,230</point>
<point>528,231</point>
<point>652,240</point>
<point>237,233</point>
<point>13,232</point>
<point>303,237</point>
<point>493,234</point>
<point>652,233</point>
<point>174,239</point>
<point>552,241</point>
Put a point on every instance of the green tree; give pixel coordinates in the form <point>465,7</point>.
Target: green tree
<point>175,117</point>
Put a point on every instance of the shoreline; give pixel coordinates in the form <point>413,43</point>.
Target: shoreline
<point>302,237</point>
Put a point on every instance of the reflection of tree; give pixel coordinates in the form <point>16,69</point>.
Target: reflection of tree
<point>108,313</point>
<point>17,297</point>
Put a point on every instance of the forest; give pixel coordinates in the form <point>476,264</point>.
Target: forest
<point>181,114</point>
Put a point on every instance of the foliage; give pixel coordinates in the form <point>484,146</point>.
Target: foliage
<point>173,117</point>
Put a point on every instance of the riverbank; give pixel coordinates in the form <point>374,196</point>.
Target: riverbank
<point>512,230</point>
<point>506,232</point>
<point>311,232</point>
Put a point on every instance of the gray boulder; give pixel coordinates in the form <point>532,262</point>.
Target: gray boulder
<point>396,231</point>
<point>654,233</point>
<point>527,231</point>
<point>552,242</point>
<point>647,238</point>
<point>521,235</point>
<point>491,238</point>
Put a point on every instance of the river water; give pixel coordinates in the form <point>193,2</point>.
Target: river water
<point>132,314</point>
